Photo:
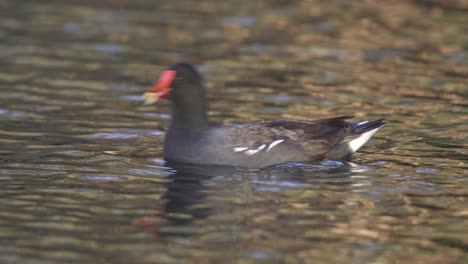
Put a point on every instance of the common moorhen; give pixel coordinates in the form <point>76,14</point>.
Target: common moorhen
<point>191,140</point>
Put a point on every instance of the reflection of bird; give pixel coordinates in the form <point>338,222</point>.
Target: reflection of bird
<point>185,191</point>
<point>191,140</point>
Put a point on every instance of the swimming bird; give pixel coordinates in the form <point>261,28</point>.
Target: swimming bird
<point>190,139</point>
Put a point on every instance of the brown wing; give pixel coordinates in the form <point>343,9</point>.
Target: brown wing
<point>308,140</point>
<point>316,137</point>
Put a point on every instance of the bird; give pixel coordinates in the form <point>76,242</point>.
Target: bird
<point>190,139</point>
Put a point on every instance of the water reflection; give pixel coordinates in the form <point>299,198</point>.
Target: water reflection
<point>192,188</point>
<point>230,209</point>
<point>186,192</point>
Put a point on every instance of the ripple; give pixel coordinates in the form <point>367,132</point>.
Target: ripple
<point>157,133</point>
<point>148,172</point>
<point>260,255</point>
<point>459,57</point>
<point>325,53</point>
<point>156,115</point>
<point>384,53</point>
<point>333,163</point>
<point>113,135</point>
<point>327,27</point>
<point>427,170</point>
<point>159,161</point>
<point>283,184</point>
<point>239,21</point>
<point>103,178</point>
<point>109,48</point>
<point>268,189</point>
<point>72,27</point>
<point>9,113</point>
<point>327,80</point>
<point>132,98</point>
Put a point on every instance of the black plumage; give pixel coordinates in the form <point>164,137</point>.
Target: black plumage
<point>190,139</point>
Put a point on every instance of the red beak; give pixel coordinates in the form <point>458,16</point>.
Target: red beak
<point>162,88</point>
<point>164,83</point>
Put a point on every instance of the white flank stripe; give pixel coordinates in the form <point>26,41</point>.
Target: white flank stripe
<point>273,144</point>
<point>356,143</point>
<point>261,147</point>
<point>239,149</point>
<point>250,152</point>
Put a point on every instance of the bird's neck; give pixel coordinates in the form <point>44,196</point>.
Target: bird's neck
<point>189,116</point>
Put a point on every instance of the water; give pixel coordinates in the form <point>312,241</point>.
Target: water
<point>81,170</point>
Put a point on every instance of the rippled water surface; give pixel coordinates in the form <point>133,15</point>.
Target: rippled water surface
<point>82,178</point>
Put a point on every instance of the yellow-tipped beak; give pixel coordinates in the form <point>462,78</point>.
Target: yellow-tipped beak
<point>150,98</point>
<point>161,89</point>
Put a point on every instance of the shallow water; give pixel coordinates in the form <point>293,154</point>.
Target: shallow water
<point>81,172</point>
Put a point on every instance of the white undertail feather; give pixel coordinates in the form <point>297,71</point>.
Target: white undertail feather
<point>358,142</point>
